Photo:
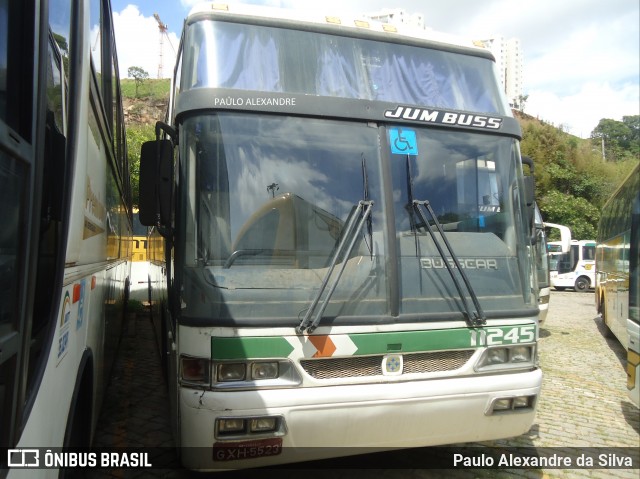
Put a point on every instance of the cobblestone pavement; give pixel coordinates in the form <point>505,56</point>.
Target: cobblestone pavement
<point>583,405</point>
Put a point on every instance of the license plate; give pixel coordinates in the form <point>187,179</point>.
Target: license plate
<point>251,449</point>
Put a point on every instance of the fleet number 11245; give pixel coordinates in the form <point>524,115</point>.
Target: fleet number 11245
<point>503,335</point>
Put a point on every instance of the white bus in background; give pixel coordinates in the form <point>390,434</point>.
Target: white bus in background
<point>341,245</point>
<point>575,269</point>
<point>542,260</point>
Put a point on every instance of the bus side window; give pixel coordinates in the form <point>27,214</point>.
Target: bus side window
<point>51,213</point>
<point>16,166</point>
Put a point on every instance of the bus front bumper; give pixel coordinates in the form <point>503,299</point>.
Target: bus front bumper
<point>340,420</point>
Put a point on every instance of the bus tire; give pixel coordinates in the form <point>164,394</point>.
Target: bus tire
<point>582,284</point>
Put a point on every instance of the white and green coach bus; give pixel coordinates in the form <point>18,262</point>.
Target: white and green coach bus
<point>342,248</point>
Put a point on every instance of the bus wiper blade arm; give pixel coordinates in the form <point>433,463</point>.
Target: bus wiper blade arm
<point>476,318</point>
<point>357,220</point>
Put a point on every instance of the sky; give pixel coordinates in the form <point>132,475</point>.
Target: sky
<point>581,57</point>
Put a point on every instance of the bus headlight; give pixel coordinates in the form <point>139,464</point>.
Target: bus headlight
<point>497,356</point>
<point>257,373</point>
<point>264,370</point>
<point>506,357</point>
<point>231,372</point>
<point>521,354</point>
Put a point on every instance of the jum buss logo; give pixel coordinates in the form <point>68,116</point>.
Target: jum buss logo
<point>23,458</point>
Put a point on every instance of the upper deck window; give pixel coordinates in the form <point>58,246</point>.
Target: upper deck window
<point>251,57</point>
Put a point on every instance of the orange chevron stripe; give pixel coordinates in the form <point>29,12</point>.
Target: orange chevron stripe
<point>324,345</point>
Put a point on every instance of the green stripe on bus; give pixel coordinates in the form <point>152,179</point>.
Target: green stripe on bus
<point>411,341</point>
<point>249,347</point>
<point>224,348</point>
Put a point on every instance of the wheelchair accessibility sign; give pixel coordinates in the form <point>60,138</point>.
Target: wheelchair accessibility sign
<point>403,141</point>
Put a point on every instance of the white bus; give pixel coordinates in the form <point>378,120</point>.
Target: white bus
<point>617,281</point>
<point>542,260</point>
<point>575,269</point>
<point>341,254</point>
<point>65,241</point>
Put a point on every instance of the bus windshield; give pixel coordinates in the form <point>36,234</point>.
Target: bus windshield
<point>269,59</point>
<point>268,197</point>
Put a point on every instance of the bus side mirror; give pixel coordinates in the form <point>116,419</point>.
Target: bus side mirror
<point>155,182</point>
<point>565,236</point>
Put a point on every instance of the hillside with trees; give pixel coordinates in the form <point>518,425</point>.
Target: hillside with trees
<point>574,176</point>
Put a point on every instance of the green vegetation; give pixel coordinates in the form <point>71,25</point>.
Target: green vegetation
<point>136,136</point>
<point>148,92</point>
<point>573,181</point>
<point>148,89</point>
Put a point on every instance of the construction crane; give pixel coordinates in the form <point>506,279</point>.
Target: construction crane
<point>163,29</point>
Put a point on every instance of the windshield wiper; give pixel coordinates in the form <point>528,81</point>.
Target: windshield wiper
<point>475,318</point>
<point>356,221</point>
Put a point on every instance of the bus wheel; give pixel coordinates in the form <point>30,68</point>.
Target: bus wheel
<point>582,284</point>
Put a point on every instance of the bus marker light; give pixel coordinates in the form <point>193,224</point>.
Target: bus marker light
<point>193,369</point>
<point>76,292</point>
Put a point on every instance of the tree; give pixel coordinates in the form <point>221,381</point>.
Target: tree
<point>616,136</point>
<point>580,215</point>
<point>139,75</point>
<point>521,100</point>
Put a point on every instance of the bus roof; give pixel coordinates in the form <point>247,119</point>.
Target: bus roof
<point>318,19</point>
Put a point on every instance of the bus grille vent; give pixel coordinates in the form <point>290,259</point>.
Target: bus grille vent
<point>363,366</point>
